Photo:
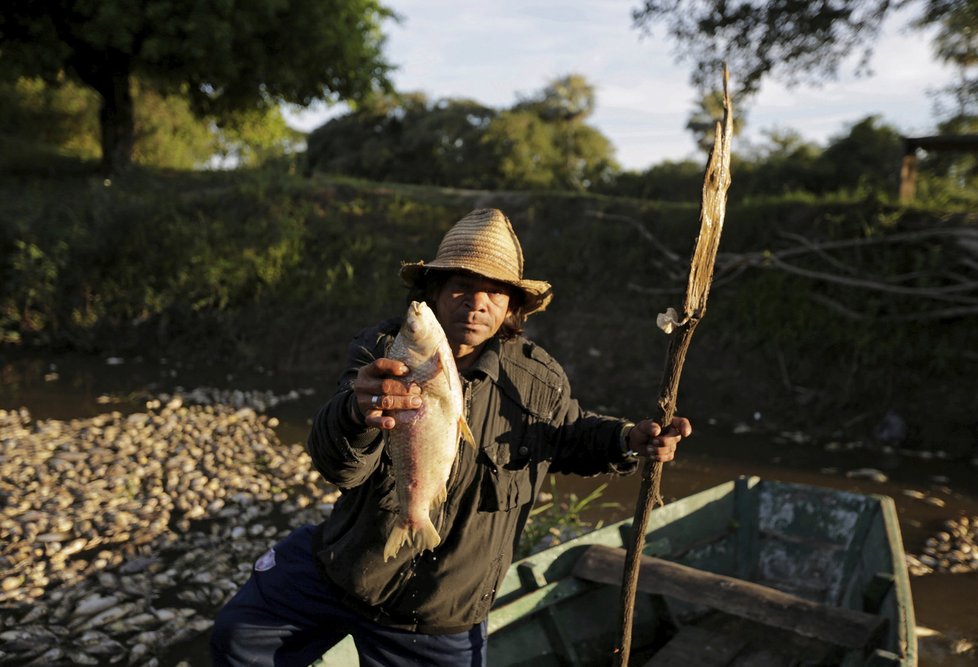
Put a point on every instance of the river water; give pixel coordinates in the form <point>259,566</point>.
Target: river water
<point>946,605</point>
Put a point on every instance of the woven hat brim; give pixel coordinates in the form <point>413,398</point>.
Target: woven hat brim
<point>538,293</point>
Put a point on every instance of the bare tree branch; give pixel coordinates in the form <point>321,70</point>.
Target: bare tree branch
<point>941,314</point>
<point>946,286</point>
<point>940,293</point>
<point>807,243</point>
<point>672,265</point>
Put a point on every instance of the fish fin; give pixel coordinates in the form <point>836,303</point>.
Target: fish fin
<point>466,432</point>
<point>399,535</point>
<point>440,497</point>
<point>427,536</point>
<point>446,361</point>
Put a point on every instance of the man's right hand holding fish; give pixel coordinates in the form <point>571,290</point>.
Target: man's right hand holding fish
<point>377,389</point>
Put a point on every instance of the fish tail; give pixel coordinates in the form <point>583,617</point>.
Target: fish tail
<point>399,535</point>
<point>427,537</point>
<point>466,432</point>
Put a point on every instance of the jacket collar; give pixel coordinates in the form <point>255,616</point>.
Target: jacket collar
<point>488,362</point>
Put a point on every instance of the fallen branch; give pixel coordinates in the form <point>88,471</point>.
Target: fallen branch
<point>947,287</point>
<point>946,293</point>
<point>663,258</point>
<point>919,316</point>
<point>811,246</point>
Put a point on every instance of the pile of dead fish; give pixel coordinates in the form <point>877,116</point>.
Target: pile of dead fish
<point>257,400</point>
<point>120,536</point>
<point>954,549</point>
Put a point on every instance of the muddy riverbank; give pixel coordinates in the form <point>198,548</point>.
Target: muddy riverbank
<point>105,442</point>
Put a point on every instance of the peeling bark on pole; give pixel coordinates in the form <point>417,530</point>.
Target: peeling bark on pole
<point>712,213</point>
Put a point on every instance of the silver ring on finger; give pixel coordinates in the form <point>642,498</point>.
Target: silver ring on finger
<point>374,401</point>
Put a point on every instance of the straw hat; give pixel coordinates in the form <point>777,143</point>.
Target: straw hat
<point>484,243</point>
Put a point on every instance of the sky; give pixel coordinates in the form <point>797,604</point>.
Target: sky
<point>495,51</point>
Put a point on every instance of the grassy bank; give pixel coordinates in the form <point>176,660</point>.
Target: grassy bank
<point>826,312</point>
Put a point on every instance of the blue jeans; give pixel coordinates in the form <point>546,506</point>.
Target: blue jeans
<point>286,615</point>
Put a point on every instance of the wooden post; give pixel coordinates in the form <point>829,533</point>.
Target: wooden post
<point>908,172</point>
<point>712,212</point>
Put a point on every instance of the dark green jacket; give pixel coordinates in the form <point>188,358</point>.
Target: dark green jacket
<point>519,407</point>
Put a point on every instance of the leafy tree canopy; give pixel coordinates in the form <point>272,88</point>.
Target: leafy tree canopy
<point>701,122</point>
<point>568,98</point>
<point>224,55</point>
<point>957,43</point>
<point>249,137</point>
<point>63,119</point>
<point>793,39</point>
<point>864,158</point>
<point>541,142</point>
<point>405,138</point>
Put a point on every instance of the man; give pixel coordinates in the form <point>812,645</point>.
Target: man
<point>321,584</point>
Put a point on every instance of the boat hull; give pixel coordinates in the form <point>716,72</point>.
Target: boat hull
<point>835,551</point>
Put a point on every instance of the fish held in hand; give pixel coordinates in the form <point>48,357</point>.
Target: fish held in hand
<point>424,442</point>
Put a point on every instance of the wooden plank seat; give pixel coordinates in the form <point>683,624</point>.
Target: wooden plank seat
<point>847,628</point>
<point>696,646</point>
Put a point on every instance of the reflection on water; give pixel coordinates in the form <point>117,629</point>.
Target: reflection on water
<point>74,387</point>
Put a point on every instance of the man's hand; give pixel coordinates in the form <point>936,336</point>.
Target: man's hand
<point>377,392</point>
<point>648,439</point>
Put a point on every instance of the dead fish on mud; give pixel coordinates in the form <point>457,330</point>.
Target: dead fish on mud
<point>424,442</point>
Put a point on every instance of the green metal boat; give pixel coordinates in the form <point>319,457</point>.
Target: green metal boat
<point>749,573</point>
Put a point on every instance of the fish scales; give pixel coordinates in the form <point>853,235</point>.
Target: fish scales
<point>424,442</point>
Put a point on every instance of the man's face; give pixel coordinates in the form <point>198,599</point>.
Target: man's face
<point>471,309</point>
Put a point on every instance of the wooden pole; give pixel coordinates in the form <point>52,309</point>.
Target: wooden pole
<point>908,176</point>
<point>712,213</point>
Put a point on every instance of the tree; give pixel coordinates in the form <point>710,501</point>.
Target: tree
<point>406,138</point>
<point>702,121</point>
<point>524,151</point>
<point>443,143</point>
<point>867,157</point>
<point>785,162</point>
<point>62,117</point>
<point>166,133</point>
<point>957,36</point>
<point>577,155</point>
<point>791,39</point>
<point>569,98</point>
<point>225,56</point>
<point>956,42</point>
<point>248,138</point>
<point>543,141</point>
<point>679,181</point>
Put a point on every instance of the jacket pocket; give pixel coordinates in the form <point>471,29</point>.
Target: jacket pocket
<point>505,488</point>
